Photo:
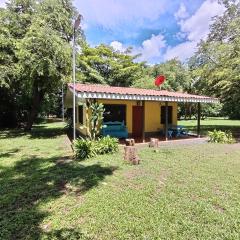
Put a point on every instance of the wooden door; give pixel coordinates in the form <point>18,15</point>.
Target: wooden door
<point>137,121</point>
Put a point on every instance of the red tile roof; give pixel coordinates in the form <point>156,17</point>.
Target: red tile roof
<point>96,88</point>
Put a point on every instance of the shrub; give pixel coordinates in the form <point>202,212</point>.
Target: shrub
<point>220,137</point>
<point>107,145</point>
<point>86,148</point>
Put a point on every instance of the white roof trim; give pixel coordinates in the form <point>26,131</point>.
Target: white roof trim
<point>91,95</point>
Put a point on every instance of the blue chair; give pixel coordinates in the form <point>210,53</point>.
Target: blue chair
<point>170,134</point>
<point>114,129</point>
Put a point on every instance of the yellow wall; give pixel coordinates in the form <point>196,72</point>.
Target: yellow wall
<point>79,126</point>
<point>152,114</point>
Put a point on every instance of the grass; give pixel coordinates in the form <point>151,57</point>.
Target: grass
<point>185,192</point>
<point>210,124</point>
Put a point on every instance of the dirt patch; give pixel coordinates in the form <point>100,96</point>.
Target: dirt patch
<point>68,189</point>
<point>66,144</point>
<point>194,198</point>
<point>219,208</point>
<point>137,172</point>
<point>218,191</point>
<point>131,177</point>
<point>134,173</point>
<point>46,227</point>
<point>230,148</point>
<point>162,178</point>
<point>64,160</point>
<point>233,147</point>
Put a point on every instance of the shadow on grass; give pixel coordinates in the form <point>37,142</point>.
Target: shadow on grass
<point>11,133</point>
<point>65,234</point>
<point>9,153</point>
<point>38,131</point>
<point>34,181</point>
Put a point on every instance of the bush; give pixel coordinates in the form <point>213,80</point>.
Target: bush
<point>86,148</point>
<point>220,137</point>
<point>107,145</point>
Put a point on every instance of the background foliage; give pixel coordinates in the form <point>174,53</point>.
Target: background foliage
<point>35,56</point>
<point>35,60</point>
<point>216,65</point>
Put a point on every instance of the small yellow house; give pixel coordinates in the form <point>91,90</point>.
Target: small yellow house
<point>143,111</point>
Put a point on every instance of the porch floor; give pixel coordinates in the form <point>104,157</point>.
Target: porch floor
<point>139,140</point>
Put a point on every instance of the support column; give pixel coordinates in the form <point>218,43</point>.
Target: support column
<point>199,120</point>
<point>166,121</point>
<point>143,117</point>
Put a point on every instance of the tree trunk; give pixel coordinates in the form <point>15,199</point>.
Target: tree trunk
<point>37,97</point>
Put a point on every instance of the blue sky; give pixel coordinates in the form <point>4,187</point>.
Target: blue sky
<point>157,29</point>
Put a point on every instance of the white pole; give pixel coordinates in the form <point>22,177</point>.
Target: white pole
<point>75,27</point>
<point>62,104</point>
<point>74,90</point>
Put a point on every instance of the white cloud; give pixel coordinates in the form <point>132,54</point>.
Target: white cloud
<point>118,46</point>
<point>196,28</point>
<point>2,3</point>
<point>182,12</point>
<point>150,49</point>
<point>182,51</point>
<point>111,13</point>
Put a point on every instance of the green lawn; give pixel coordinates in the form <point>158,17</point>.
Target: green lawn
<point>210,124</point>
<point>185,192</point>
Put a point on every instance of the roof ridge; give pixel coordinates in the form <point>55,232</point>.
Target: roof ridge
<point>132,87</point>
<point>133,91</point>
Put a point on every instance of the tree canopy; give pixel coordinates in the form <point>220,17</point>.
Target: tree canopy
<point>216,65</point>
<point>104,65</point>
<point>36,57</point>
<point>177,76</point>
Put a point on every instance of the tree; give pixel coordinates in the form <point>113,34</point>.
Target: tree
<point>104,65</point>
<point>215,66</point>
<point>177,76</point>
<point>14,21</point>
<point>38,50</point>
<point>45,61</point>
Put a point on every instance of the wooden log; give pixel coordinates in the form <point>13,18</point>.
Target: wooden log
<point>135,160</point>
<point>130,154</point>
<point>153,142</point>
<point>130,142</point>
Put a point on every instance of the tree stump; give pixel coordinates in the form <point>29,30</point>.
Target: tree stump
<point>153,142</point>
<point>130,154</point>
<point>130,142</point>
